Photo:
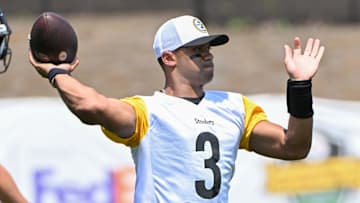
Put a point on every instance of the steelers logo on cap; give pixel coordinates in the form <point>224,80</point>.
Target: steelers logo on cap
<point>199,25</point>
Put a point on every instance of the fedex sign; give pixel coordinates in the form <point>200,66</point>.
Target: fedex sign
<point>115,187</point>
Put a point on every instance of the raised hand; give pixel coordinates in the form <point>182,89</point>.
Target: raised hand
<point>44,68</point>
<point>303,66</point>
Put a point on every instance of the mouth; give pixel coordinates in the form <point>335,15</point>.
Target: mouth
<point>208,65</point>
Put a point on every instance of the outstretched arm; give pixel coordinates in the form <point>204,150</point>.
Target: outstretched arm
<point>86,103</point>
<point>9,192</point>
<point>272,140</point>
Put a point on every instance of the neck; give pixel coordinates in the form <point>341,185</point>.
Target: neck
<point>184,92</point>
<point>194,99</point>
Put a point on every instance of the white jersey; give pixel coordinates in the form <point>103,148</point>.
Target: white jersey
<point>185,152</point>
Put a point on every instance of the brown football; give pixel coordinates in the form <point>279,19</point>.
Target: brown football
<point>53,39</point>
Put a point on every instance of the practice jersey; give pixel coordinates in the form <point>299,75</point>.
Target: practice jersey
<point>186,152</point>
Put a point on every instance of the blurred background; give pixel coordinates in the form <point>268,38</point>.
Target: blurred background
<point>115,43</point>
<point>40,139</point>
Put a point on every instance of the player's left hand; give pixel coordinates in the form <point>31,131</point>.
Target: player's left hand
<point>44,68</point>
<point>303,66</point>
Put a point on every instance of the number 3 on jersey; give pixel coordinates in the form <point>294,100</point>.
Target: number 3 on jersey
<point>209,163</point>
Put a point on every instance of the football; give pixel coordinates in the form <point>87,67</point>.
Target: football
<point>53,39</point>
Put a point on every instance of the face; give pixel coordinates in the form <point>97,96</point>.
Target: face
<point>195,64</point>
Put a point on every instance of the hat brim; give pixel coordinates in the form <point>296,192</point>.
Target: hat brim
<point>213,40</point>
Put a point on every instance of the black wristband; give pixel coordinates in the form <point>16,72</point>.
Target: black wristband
<point>53,72</point>
<point>299,98</point>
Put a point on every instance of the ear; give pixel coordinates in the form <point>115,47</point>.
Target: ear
<point>168,58</point>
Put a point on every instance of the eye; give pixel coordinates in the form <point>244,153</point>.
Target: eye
<point>204,48</point>
<point>197,49</point>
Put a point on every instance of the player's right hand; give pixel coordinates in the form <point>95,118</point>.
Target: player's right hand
<point>44,68</point>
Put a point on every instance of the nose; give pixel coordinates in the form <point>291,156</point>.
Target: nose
<point>207,55</point>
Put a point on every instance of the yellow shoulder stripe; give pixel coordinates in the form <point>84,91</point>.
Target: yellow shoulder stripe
<point>142,123</point>
<point>253,115</point>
